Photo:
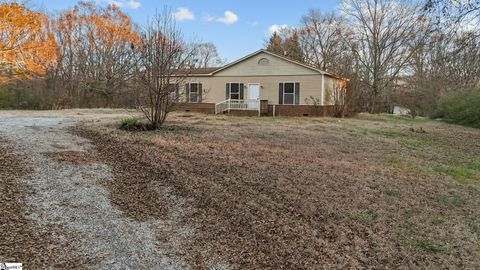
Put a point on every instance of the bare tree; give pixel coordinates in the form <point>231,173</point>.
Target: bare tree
<point>206,55</point>
<point>324,41</point>
<point>321,38</point>
<point>340,98</point>
<point>96,54</point>
<point>454,11</point>
<point>163,67</point>
<point>383,32</point>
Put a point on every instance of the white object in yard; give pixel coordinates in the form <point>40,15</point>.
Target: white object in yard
<point>398,110</point>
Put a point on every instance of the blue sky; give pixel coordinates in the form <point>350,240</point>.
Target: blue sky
<point>236,27</point>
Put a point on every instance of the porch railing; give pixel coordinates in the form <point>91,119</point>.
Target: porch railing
<point>237,104</point>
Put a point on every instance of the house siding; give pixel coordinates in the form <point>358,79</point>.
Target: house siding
<point>329,88</point>
<point>269,76</point>
<point>276,67</point>
<point>214,87</point>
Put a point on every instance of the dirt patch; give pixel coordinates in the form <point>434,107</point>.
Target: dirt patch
<point>302,193</point>
<point>73,157</point>
<point>37,247</point>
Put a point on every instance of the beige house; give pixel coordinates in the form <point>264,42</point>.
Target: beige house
<point>260,76</point>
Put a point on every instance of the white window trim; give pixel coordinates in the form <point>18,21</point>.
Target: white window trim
<point>294,92</point>
<point>173,94</point>
<point>230,89</point>
<point>190,91</point>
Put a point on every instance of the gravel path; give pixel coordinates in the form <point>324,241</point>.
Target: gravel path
<point>71,195</point>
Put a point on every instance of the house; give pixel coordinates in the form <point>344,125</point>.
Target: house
<point>262,83</point>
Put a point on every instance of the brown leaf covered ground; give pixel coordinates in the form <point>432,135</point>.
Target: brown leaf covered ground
<point>73,157</point>
<point>305,193</point>
<point>22,239</point>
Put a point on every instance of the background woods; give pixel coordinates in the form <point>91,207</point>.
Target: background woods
<point>97,58</point>
<point>27,46</point>
<point>411,54</point>
<point>87,56</point>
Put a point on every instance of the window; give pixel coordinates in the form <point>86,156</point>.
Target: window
<point>289,93</point>
<point>174,93</point>
<point>194,92</point>
<point>234,91</point>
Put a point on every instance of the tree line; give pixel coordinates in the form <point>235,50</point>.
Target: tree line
<point>89,56</point>
<point>405,53</point>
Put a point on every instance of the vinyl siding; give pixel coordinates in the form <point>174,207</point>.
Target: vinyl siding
<point>276,66</point>
<point>329,87</point>
<point>268,76</point>
<point>214,87</point>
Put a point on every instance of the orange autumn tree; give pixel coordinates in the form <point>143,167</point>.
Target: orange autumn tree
<point>26,47</point>
<point>97,53</point>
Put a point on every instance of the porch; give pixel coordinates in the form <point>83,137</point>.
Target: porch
<point>255,108</point>
<point>229,105</point>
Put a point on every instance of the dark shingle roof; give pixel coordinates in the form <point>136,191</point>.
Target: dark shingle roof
<point>202,71</point>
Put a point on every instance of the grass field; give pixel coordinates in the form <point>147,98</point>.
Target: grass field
<point>303,193</point>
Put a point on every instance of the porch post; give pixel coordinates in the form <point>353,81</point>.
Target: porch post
<point>322,94</point>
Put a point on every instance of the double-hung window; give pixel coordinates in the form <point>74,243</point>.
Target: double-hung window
<point>234,91</point>
<point>173,92</point>
<point>289,93</point>
<point>194,92</point>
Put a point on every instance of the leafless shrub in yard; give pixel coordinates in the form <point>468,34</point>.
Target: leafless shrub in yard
<point>163,67</point>
<point>340,98</point>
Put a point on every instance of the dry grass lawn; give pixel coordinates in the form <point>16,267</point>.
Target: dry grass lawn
<point>305,193</point>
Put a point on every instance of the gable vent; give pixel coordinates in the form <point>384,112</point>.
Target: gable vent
<point>263,61</point>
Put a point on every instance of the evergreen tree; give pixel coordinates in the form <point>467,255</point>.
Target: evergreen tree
<point>288,46</point>
<point>275,44</point>
<point>292,47</point>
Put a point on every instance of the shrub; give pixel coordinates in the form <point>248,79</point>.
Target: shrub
<point>130,124</point>
<point>133,124</point>
<point>7,99</point>
<point>462,107</point>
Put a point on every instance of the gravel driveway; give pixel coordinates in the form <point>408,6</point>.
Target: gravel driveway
<point>72,196</point>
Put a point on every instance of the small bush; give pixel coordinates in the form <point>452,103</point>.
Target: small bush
<point>133,124</point>
<point>129,122</point>
<point>462,107</point>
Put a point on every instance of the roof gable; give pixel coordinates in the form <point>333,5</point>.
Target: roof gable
<point>265,63</point>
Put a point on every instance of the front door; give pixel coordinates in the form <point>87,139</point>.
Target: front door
<point>253,95</point>
<point>253,91</point>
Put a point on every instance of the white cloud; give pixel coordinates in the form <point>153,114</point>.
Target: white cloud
<point>183,14</point>
<point>228,18</point>
<point>275,28</point>
<point>133,4</point>
<point>209,18</point>
<point>253,24</point>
